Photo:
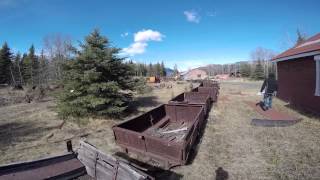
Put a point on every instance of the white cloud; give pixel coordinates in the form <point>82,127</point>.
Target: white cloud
<point>147,35</point>
<point>192,16</point>
<point>124,34</point>
<point>140,41</point>
<point>135,48</point>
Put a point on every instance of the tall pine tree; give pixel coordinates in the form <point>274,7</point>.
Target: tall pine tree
<point>258,73</point>
<point>30,67</point>
<point>17,69</point>
<point>5,63</point>
<point>24,70</point>
<point>163,70</point>
<point>245,70</point>
<point>158,69</point>
<point>97,81</point>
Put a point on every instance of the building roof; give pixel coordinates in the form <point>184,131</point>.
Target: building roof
<point>309,47</point>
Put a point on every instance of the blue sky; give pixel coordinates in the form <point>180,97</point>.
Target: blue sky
<point>188,33</point>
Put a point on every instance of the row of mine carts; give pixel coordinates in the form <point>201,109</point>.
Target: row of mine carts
<point>164,137</point>
<point>167,134</point>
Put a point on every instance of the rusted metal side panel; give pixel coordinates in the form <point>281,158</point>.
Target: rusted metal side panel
<point>194,97</point>
<point>178,98</point>
<point>213,92</point>
<point>59,167</point>
<point>130,138</point>
<point>168,150</point>
<point>209,83</point>
<point>129,133</point>
<point>199,98</point>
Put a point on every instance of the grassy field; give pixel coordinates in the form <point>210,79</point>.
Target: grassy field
<point>248,152</point>
<point>30,131</point>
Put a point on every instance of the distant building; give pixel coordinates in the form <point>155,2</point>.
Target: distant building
<point>195,74</point>
<point>299,74</point>
<point>222,76</point>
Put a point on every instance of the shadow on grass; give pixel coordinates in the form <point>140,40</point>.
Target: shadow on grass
<point>222,174</point>
<point>195,148</point>
<point>158,173</point>
<point>303,111</point>
<point>141,102</point>
<point>15,132</point>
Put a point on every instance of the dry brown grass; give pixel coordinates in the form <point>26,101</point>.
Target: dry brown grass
<point>229,141</point>
<point>249,152</point>
<point>30,131</point>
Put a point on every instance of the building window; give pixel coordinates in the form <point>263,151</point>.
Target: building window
<point>317,59</point>
<point>199,75</point>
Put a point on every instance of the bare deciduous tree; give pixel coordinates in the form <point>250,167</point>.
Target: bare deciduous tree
<point>264,56</point>
<point>58,49</point>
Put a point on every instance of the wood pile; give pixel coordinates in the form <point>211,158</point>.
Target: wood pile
<point>173,132</point>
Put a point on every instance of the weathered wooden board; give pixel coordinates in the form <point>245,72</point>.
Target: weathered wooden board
<point>102,166</point>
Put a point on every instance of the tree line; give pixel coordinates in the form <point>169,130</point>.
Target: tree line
<point>35,69</point>
<point>258,67</point>
<point>145,70</point>
<point>47,67</point>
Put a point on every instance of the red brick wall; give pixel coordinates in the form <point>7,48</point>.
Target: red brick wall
<point>297,80</point>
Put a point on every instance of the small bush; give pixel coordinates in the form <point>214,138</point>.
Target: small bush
<point>141,86</point>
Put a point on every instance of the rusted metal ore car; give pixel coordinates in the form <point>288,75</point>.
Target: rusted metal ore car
<point>209,83</point>
<point>165,134</point>
<point>193,98</point>
<point>212,91</point>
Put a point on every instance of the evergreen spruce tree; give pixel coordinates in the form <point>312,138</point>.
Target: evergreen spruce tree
<point>163,69</point>
<point>97,81</point>
<point>30,67</point>
<point>35,65</point>
<point>5,63</point>
<point>24,70</point>
<point>245,70</point>
<point>150,70</point>
<point>157,68</point>
<point>258,73</point>
<point>17,69</point>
